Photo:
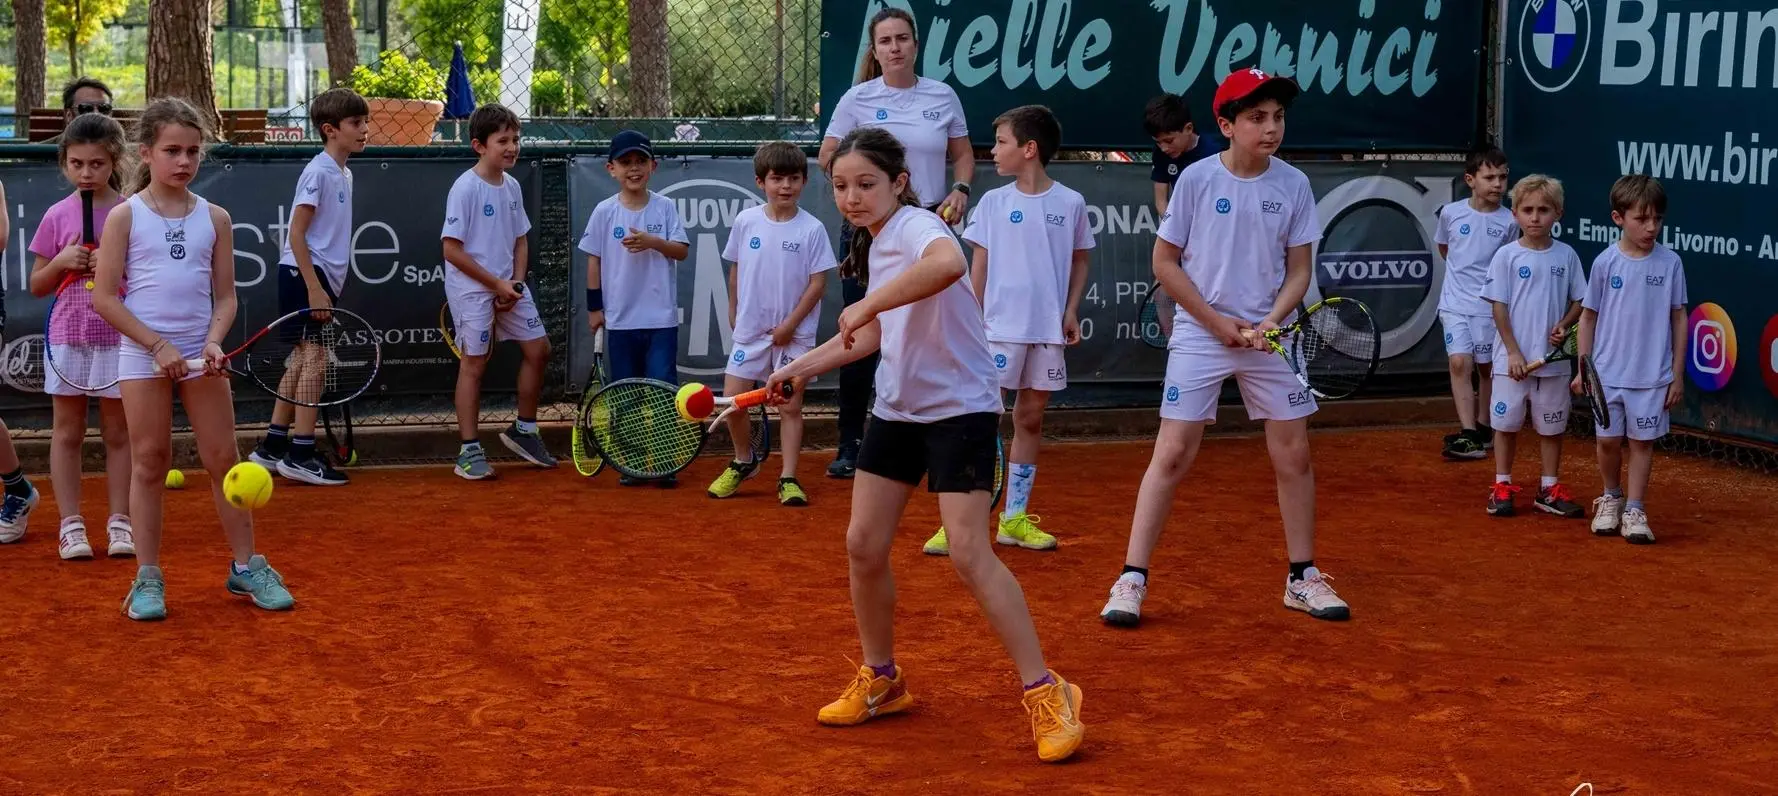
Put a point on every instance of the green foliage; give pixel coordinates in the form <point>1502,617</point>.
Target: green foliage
<point>437,25</point>
<point>396,77</point>
<point>486,85</point>
<point>549,93</point>
<point>80,20</point>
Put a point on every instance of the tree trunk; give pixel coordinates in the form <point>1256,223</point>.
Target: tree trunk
<point>74,40</point>
<point>651,77</point>
<point>342,44</point>
<point>179,58</point>
<point>30,47</point>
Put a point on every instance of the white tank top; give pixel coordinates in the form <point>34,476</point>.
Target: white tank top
<point>168,268</point>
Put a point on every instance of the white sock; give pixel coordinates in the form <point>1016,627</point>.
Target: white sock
<point>1549,481</point>
<point>1503,478</point>
<point>240,568</point>
<point>1134,577</point>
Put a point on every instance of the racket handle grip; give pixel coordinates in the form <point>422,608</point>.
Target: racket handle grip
<point>752,398</point>
<point>194,364</point>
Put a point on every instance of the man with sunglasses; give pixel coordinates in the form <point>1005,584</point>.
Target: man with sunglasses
<point>84,95</point>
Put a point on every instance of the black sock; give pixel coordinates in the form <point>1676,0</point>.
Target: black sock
<point>1299,568</point>
<point>1143,571</point>
<point>302,448</point>
<point>277,438</point>
<point>16,485</point>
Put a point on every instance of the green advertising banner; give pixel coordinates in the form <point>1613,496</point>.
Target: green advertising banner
<point>1387,75</point>
<point>1681,91</point>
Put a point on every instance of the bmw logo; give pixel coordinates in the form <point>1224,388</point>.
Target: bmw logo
<point>1617,282</point>
<point>1000,361</point>
<point>1553,39</point>
<point>1500,407</point>
<point>1223,206</point>
<point>1463,230</point>
<point>617,232</point>
<point>740,356</point>
<point>882,114</point>
<point>487,210</point>
<point>753,244</point>
<point>1018,216</point>
<point>1172,394</point>
<point>1524,272</point>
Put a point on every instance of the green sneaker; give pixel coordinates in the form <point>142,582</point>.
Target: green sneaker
<point>472,463</point>
<point>790,493</point>
<point>262,583</point>
<point>938,545</point>
<point>726,484</point>
<point>147,600</point>
<point>1021,530</point>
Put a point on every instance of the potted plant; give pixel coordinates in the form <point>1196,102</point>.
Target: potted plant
<point>406,99</point>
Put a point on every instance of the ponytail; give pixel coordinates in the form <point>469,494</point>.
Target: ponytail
<point>887,154</point>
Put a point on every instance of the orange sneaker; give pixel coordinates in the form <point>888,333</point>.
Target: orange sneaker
<point>1055,719</point>
<point>868,697</point>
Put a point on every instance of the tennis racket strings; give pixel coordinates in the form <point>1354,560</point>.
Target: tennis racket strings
<point>1337,348</point>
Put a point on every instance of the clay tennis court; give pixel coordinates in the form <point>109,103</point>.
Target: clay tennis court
<point>545,634</point>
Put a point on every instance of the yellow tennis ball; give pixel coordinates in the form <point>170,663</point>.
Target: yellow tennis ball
<point>247,485</point>
<point>352,458</point>
<point>175,479</point>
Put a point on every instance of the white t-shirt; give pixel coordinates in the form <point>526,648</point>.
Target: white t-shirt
<point>935,357</point>
<point>326,186</point>
<point>641,290</point>
<point>1031,242</point>
<point>487,220</point>
<point>1633,340</point>
<point>1471,237</point>
<point>1233,234</point>
<point>168,266</point>
<point>924,119</point>
<point>1536,287</point>
<point>774,261</point>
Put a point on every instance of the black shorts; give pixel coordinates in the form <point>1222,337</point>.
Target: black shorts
<point>956,454</point>
<point>293,295</point>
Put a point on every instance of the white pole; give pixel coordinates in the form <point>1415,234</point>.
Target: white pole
<point>518,50</point>
<point>296,56</point>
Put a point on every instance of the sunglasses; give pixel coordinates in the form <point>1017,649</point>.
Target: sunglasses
<point>87,107</point>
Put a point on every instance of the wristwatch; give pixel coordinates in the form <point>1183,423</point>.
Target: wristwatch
<point>961,186</point>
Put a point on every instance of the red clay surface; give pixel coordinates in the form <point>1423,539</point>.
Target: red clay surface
<point>583,638</point>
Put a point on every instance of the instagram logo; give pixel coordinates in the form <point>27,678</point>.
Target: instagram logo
<point>1711,358</point>
<point>1768,355</point>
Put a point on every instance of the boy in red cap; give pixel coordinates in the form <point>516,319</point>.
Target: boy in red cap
<point>1234,248</point>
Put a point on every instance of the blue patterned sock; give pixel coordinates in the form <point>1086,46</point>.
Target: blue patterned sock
<point>1018,488</point>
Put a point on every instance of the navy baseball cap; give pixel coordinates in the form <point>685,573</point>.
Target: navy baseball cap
<point>629,141</point>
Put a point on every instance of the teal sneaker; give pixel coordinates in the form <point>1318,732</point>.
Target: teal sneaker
<point>262,583</point>
<point>147,600</point>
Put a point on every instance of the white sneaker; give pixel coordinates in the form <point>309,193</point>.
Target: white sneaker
<point>1313,596</point>
<point>73,542</point>
<point>122,536</point>
<point>1124,609</point>
<point>1636,527</point>
<point>1607,515</point>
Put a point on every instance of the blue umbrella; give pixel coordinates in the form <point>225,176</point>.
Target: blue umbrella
<point>459,95</point>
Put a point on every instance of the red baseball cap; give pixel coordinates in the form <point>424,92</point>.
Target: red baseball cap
<point>1243,82</point>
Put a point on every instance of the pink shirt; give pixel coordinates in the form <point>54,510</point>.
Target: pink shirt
<point>60,227</point>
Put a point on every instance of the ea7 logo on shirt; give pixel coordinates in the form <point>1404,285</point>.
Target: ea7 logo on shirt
<point>1558,271</point>
<point>1055,220</point>
<point>488,209</point>
<point>1617,282</point>
<point>931,115</point>
<point>1655,280</point>
<point>1271,208</point>
<point>1223,206</point>
<point>1017,217</point>
<point>1495,230</point>
<point>790,246</point>
<point>533,323</point>
<point>1649,423</point>
<point>754,243</point>
<point>1299,398</point>
<point>1558,416</point>
<point>176,235</point>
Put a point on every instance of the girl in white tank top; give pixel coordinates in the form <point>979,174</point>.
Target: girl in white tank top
<point>177,252</point>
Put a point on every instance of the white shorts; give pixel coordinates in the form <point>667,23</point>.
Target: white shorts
<point>1468,335</point>
<point>53,384</point>
<point>1030,366</point>
<point>1548,397</point>
<point>478,324</point>
<point>134,363</point>
<point>1639,414</point>
<point>756,360</point>
<point>1198,365</point>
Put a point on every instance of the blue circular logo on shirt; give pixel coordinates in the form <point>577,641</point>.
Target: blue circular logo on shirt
<point>1172,393</point>
<point>882,114</point>
<point>753,244</point>
<point>1463,230</point>
<point>1448,338</point>
<point>1524,272</point>
<point>740,356</point>
<point>487,210</point>
<point>1500,407</point>
<point>1017,216</point>
<point>1000,361</point>
<point>617,232</point>
<point>1223,206</point>
<point>342,196</point>
<point>1617,282</point>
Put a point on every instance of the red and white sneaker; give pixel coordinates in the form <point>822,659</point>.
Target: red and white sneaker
<point>72,543</point>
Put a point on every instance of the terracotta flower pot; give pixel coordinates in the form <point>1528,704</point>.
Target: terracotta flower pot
<point>402,122</point>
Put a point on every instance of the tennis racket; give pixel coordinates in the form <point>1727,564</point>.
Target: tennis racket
<point>79,345</point>
<point>1333,347</point>
<point>308,362</point>
<point>999,471</point>
<point>1595,392</point>
<point>1155,321</point>
<point>448,325</point>
<point>761,426</point>
<point>587,460</point>
<point>1569,349</point>
<point>344,452</point>
<point>636,429</point>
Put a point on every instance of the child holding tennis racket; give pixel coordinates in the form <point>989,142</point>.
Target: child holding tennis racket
<point>1535,287</point>
<point>1630,328</point>
<point>936,417</point>
<point>781,257</point>
<point>1469,232</point>
<point>19,497</point>
<point>312,274</point>
<point>485,244</point>
<point>1234,250</point>
<point>177,252</point>
<point>634,242</point>
<point>1032,246</point>
<point>79,342</point>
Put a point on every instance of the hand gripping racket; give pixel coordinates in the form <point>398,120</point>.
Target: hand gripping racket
<point>308,362</point>
<point>1333,347</point>
<point>1569,349</point>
